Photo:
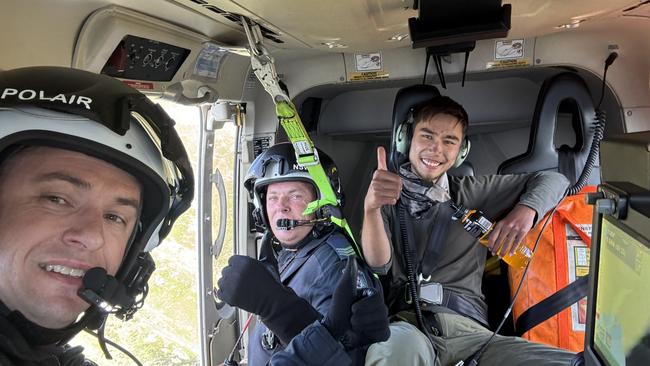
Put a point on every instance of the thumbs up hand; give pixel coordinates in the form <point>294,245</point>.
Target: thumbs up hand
<point>381,158</point>
<point>385,186</point>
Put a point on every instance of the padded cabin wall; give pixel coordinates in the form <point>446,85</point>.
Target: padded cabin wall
<point>302,71</point>
<point>356,160</point>
<point>587,48</point>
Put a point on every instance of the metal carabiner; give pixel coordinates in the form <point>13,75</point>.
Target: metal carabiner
<point>254,36</point>
<point>262,62</point>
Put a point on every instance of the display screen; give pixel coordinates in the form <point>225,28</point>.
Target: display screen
<point>622,314</point>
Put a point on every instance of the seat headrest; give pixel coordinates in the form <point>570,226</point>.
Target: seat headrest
<point>542,153</point>
<point>405,100</point>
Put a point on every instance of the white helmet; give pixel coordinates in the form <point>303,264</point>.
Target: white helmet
<point>102,117</point>
<point>279,164</point>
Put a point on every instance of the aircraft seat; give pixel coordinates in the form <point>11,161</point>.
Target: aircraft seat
<point>542,153</point>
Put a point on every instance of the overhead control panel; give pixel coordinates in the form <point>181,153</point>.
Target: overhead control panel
<point>145,59</point>
<point>158,57</point>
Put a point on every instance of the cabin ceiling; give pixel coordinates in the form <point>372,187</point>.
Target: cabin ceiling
<point>368,25</point>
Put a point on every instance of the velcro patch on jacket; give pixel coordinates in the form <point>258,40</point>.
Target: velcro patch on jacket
<point>341,246</point>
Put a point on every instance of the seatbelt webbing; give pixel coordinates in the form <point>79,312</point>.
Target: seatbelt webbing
<point>438,235</point>
<point>552,305</point>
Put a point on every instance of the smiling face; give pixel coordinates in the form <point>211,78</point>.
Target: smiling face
<point>435,145</point>
<point>61,213</point>
<point>288,200</point>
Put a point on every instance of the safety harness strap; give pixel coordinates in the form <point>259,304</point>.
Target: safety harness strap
<point>442,221</point>
<point>552,305</point>
<point>307,156</point>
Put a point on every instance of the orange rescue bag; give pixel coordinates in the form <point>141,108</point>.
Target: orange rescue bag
<point>562,256</point>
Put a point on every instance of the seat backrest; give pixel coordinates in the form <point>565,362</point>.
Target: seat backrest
<point>464,169</point>
<point>405,100</point>
<point>542,153</point>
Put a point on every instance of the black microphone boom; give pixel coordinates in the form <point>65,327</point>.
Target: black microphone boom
<point>104,291</point>
<point>288,224</point>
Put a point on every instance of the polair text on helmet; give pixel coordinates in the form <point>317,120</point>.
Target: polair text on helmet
<point>29,94</point>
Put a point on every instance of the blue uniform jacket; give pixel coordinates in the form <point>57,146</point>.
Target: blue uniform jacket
<point>314,346</point>
<point>313,273</point>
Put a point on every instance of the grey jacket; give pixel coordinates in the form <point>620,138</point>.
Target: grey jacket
<point>461,261</point>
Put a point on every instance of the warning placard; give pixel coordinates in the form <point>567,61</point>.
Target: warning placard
<point>140,85</point>
<point>209,60</point>
<point>508,49</point>
<point>367,75</point>
<point>578,261</point>
<point>508,64</point>
<point>368,61</point>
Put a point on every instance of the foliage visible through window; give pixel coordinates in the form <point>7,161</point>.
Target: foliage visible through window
<point>165,330</point>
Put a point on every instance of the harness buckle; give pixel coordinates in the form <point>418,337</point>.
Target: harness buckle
<point>431,293</point>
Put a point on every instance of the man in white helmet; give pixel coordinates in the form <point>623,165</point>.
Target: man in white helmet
<point>92,177</point>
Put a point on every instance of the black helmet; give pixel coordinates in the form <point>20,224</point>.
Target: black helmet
<point>102,117</point>
<point>278,164</point>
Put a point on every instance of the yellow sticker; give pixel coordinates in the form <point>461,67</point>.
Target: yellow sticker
<point>507,64</point>
<point>368,75</point>
<point>582,271</point>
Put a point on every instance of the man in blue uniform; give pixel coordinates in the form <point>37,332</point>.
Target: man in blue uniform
<point>312,309</point>
<point>86,191</point>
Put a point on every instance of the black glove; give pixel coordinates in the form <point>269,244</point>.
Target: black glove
<point>370,320</point>
<point>356,322</point>
<point>255,286</point>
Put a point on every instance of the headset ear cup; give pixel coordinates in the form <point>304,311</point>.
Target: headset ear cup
<point>258,219</point>
<point>402,140</point>
<point>409,137</point>
<point>464,151</point>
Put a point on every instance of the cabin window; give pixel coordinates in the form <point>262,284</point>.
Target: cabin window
<point>165,330</point>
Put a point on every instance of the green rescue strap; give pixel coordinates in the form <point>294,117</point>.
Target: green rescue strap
<point>306,154</point>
